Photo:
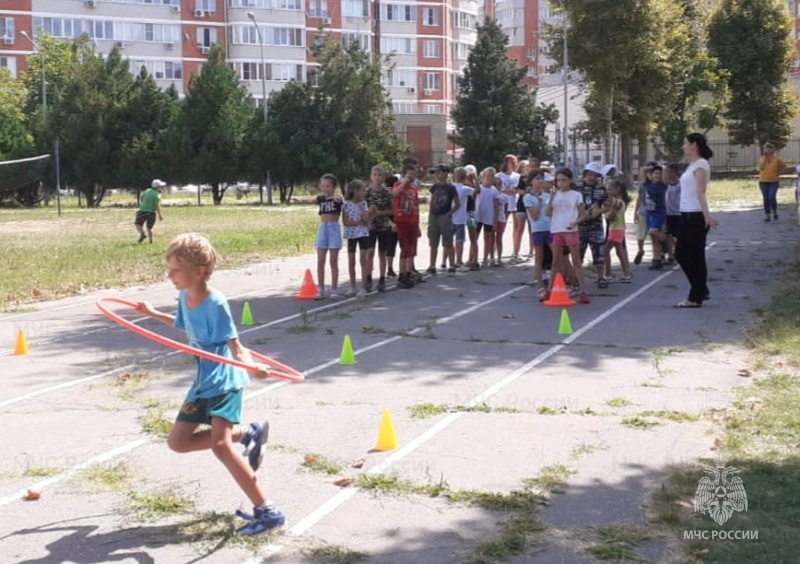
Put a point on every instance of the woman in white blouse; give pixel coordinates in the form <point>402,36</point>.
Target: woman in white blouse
<point>696,220</point>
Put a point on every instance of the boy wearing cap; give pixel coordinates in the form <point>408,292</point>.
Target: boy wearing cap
<point>150,206</point>
<point>590,226</point>
<point>444,202</point>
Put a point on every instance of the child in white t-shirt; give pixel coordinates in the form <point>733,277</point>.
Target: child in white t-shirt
<point>565,210</point>
<point>460,215</point>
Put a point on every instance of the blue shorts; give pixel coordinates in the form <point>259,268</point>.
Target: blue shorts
<point>227,406</point>
<point>656,220</point>
<point>329,235</point>
<point>461,233</point>
<point>541,238</point>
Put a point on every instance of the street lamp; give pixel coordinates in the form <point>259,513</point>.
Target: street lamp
<point>252,17</point>
<point>44,82</point>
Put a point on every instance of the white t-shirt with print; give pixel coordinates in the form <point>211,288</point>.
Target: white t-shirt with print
<point>565,211</point>
<point>354,212</point>
<point>689,200</point>
<point>464,192</point>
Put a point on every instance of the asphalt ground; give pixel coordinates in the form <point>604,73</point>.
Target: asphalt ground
<point>471,340</point>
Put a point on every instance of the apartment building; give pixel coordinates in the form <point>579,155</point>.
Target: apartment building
<point>268,43</point>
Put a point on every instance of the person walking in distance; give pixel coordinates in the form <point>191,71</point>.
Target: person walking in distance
<point>769,175</point>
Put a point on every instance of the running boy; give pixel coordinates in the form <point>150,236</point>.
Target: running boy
<point>151,205</point>
<point>215,397</point>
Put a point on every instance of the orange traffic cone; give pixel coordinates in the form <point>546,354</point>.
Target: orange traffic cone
<point>308,291</point>
<point>21,346</point>
<point>559,297</point>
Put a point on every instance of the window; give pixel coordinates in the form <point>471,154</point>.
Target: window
<point>292,37</point>
<point>284,73</point>
<point>160,70</point>
<point>432,109</point>
<point>402,78</point>
<point>206,36</point>
<point>318,8</point>
<point>250,71</point>
<point>432,81</point>
<point>355,8</point>
<point>7,27</point>
<point>9,63</point>
<point>430,49</point>
<point>400,45</point>
<point>360,39</point>
<point>532,53</point>
<point>404,107</point>
<point>206,5</point>
<point>430,16</point>
<point>294,5</point>
<point>398,13</point>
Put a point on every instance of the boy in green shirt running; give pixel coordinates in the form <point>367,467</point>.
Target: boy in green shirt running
<point>151,205</point>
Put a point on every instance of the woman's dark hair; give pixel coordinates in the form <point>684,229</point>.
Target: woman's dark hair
<point>702,145</point>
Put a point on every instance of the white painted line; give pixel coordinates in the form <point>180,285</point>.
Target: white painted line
<point>139,442</point>
<point>47,390</point>
<point>333,503</point>
<point>17,496</point>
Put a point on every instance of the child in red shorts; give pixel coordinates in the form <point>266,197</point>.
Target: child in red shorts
<point>406,218</point>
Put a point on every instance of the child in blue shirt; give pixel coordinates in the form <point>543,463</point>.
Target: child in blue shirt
<point>215,397</point>
<point>656,203</point>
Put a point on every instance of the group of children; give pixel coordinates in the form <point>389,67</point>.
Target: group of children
<point>563,218</point>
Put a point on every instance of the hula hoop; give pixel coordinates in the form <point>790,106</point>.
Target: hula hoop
<point>277,370</point>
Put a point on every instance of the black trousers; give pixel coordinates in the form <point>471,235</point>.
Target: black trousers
<point>690,252</point>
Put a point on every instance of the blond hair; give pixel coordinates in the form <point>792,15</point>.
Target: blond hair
<point>195,250</point>
<point>460,174</point>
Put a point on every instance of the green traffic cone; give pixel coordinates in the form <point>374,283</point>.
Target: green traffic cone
<point>564,327</point>
<point>247,315</point>
<point>347,356</point>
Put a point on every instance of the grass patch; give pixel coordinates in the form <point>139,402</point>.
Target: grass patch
<point>547,410</point>
<point>305,325</point>
<point>671,415</point>
<point>154,421</point>
<point>42,472</point>
<point>617,542</point>
<point>583,449</point>
<point>108,255</point>
<point>424,410</point>
<point>618,402</point>
<point>759,436</point>
<point>321,464</point>
<point>331,554</point>
<point>638,422</point>
<point>128,383</point>
<point>660,355</point>
<point>114,477</point>
<point>652,385</point>
<point>511,541</point>
<point>152,506</point>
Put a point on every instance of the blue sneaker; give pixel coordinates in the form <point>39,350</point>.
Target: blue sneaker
<point>263,519</point>
<point>253,439</point>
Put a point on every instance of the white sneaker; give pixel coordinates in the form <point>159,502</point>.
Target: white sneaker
<point>361,293</point>
<point>350,293</point>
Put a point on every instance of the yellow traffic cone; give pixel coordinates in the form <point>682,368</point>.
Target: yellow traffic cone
<point>387,438</point>
<point>21,347</point>
<point>347,357</point>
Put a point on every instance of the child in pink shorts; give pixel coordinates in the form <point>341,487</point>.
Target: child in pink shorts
<point>615,216</point>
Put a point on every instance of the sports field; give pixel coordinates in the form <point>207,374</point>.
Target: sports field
<point>516,443</point>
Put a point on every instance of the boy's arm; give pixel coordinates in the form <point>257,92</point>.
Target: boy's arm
<point>456,203</point>
<point>147,309</point>
<point>158,210</point>
<point>242,354</point>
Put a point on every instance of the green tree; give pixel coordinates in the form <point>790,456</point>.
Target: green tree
<point>628,51</point>
<point>142,120</point>
<point>217,113</point>
<point>494,114</point>
<point>752,39</point>
<point>15,139</point>
<point>85,118</point>
<point>355,126</point>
